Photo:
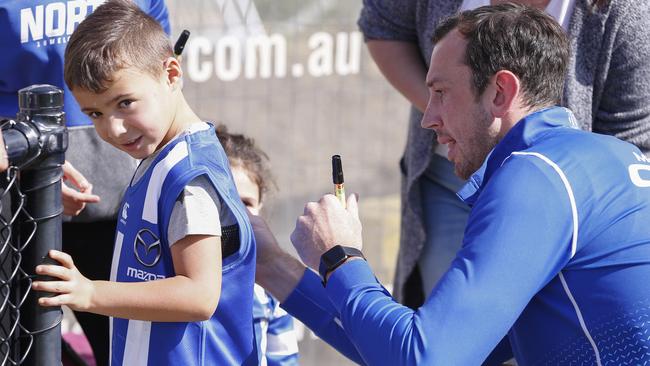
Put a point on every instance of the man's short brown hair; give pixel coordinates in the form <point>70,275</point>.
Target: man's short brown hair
<point>517,38</point>
<point>117,35</point>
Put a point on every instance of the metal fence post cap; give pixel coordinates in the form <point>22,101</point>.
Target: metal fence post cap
<point>40,97</point>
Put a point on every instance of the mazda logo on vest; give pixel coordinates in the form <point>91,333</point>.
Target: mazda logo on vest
<point>147,248</point>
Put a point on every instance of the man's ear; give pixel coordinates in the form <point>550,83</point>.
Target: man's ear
<point>506,93</point>
<point>172,71</point>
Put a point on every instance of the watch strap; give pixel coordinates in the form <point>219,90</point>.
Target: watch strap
<point>334,257</point>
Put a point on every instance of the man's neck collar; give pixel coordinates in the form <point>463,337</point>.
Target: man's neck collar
<point>521,136</point>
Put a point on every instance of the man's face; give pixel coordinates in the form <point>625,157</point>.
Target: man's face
<point>461,120</point>
<point>134,114</point>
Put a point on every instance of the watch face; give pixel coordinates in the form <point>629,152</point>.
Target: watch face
<point>333,256</point>
<point>338,254</point>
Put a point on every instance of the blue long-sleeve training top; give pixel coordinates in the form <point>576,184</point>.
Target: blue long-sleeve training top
<point>556,254</point>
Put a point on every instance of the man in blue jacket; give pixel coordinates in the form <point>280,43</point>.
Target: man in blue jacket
<point>556,253</point>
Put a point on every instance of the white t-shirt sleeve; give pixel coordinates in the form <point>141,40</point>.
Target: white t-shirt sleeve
<point>197,211</point>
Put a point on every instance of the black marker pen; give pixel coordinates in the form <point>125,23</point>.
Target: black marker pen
<point>337,178</point>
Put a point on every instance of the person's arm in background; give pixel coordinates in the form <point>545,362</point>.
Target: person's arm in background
<point>75,200</point>
<point>389,30</point>
<point>401,64</point>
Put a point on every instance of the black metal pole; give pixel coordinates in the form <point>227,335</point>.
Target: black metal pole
<point>41,124</point>
<point>42,188</point>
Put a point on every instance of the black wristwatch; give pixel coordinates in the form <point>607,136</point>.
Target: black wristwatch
<point>334,257</point>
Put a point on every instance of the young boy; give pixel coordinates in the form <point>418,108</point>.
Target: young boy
<point>183,241</point>
<point>276,339</point>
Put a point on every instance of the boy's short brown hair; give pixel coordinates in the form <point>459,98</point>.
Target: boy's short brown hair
<point>117,35</point>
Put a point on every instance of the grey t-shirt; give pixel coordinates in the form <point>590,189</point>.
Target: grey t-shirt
<point>198,208</point>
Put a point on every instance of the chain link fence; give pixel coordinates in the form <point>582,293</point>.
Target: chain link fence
<point>11,275</point>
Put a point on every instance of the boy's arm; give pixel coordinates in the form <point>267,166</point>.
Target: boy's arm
<point>191,295</point>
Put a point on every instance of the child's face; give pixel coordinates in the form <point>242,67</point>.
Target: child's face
<point>248,190</point>
<point>134,114</point>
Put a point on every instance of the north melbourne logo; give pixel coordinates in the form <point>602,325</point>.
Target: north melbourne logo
<point>54,23</point>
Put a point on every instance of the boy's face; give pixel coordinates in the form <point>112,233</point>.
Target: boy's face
<point>134,114</point>
<point>248,190</point>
